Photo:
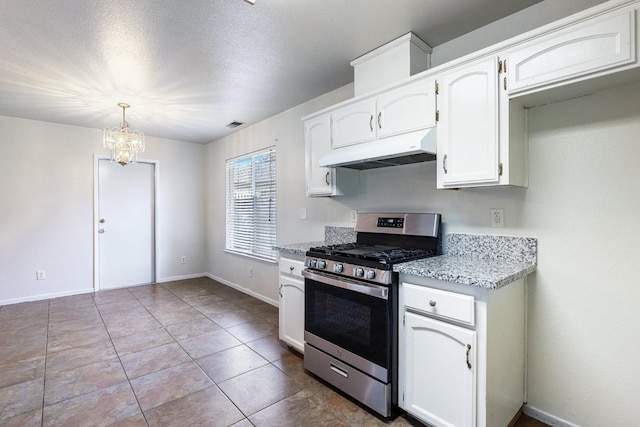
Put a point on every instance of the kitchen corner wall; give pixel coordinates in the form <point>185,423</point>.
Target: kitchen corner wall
<point>285,131</point>
<point>46,208</point>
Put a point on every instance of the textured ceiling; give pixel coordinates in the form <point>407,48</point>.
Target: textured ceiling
<point>190,67</point>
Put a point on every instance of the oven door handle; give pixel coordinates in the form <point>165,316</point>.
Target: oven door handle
<point>376,291</point>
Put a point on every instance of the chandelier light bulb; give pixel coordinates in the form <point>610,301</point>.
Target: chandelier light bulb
<point>123,143</point>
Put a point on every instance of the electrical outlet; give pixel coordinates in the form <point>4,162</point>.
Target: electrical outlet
<point>354,216</point>
<point>250,271</point>
<point>183,260</point>
<point>497,217</point>
<point>302,213</point>
<point>41,275</point>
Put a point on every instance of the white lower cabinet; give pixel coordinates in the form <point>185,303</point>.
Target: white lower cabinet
<point>291,307</point>
<point>440,385</point>
<point>461,352</point>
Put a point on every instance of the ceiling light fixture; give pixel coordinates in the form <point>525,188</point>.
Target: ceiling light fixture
<point>124,144</point>
<point>251,1</point>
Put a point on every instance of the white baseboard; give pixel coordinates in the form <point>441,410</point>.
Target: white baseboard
<point>46,296</point>
<point>243,289</point>
<point>546,417</point>
<point>162,280</point>
<point>185,277</point>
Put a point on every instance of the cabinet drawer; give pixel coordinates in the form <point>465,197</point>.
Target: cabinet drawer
<point>291,266</point>
<point>449,305</point>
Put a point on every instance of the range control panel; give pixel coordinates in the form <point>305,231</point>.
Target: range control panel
<point>391,222</point>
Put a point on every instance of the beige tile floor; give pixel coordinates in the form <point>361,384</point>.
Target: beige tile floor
<point>192,352</point>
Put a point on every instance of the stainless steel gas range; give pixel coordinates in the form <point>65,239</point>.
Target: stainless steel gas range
<point>351,304</point>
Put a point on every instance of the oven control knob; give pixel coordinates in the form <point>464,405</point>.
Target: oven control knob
<point>369,274</point>
<point>313,263</point>
<point>358,272</point>
<point>322,264</point>
<point>338,268</point>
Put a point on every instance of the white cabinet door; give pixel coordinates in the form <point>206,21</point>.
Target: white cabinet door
<point>319,180</point>
<point>354,123</point>
<point>468,129</point>
<point>440,380</point>
<point>291,311</point>
<point>407,108</point>
<point>595,45</point>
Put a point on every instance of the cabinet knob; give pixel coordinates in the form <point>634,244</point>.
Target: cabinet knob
<point>292,268</point>
<point>432,303</point>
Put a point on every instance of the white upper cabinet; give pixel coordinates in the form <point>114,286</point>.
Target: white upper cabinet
<point>354,123</point>
<point>323,181</point>
<point>481,134</point>
<point>579,51</point>
<point>319,180</point>
<point>407,108</point>
<point>468,128</point>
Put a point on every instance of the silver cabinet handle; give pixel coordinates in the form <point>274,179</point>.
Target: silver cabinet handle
<point>280,291</point>
<point>101,230</point>
<point>468,351</point>
<point>326,178</point>
<point>371,123</point>
<point>444,163</point>
<point>380,120</point>
<point>292,268</point>
<point>432,303</point>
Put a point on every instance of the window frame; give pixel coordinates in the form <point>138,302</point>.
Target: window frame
<point>250,209</point>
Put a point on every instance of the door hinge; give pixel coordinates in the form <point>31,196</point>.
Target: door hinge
<point>499,169</point>
<point>404,319</point>
<point>437,89</point>
<point>437,115</point>
<point>403,396</point>
<point>500,66</point>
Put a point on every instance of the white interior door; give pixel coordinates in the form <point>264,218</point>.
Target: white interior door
<point>126,224</point>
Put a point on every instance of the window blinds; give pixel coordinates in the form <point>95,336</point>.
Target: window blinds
<point>251,204</point>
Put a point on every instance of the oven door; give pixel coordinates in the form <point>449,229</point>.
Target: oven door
<point>350,320</point>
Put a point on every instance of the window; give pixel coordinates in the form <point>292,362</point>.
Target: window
<point>251,204</point>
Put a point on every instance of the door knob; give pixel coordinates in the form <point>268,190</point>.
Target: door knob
<point>102,221</point>
<point>101,230</point>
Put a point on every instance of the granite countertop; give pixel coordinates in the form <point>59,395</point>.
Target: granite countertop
<point>478,260</point>
<point>332,236</point>
<point>484,273</point>
<point>297,248</point>
<point>484,261</point>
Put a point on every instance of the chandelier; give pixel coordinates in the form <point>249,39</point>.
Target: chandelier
<point>123,143</point>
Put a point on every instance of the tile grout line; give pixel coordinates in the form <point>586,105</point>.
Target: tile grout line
<point>118,355</point>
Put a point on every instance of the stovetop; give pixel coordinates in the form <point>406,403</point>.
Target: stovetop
<point>366,254</point>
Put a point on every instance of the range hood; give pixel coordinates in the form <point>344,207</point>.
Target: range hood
<point>413,147</point>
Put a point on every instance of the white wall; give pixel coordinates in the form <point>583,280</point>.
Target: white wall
<point>286,133</point>
<point>582,205</point>
<point>46,208</point>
